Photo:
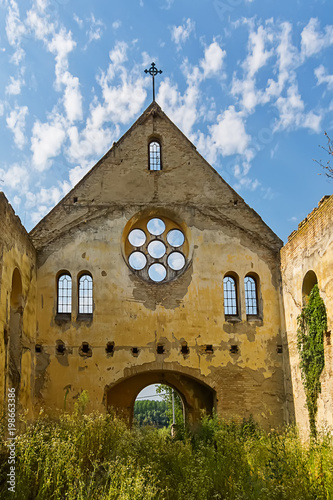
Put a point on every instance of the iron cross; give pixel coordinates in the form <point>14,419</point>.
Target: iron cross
<point>153,71</point>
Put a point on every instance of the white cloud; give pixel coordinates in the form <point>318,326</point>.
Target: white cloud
<point>15,177</point>
<point>228,135</point>
<point>46,142</point>
<point>179,34</point>
<point>72,97</point>
<point>95,31</point>
<point>117,56</point>
<point>312,40</point>
<point>61,45</point>
<point>182,109</point>
<point>78,21</point>
<point>15,30</point>
<point>292,116</point>
<point>116,24</point>
<point>323,77</point>
<point>258,54</point>
<point>124,100</point>
<point>14,87</point>
<point>39,25</point>
<point>16,123</point>
<point>213,60</point>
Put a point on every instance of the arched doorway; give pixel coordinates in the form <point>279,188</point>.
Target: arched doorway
<point>197,396</point>
<point>14,348</point>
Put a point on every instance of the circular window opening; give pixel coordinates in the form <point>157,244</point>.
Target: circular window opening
<point>156,249</point>
<point>137,237</point>
<point>156,226</point>
<point>176,261</point>
<point>157,272</point>
<point>137,260</point>
<point>175,238</point>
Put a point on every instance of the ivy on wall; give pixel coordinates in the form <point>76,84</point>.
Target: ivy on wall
<point>312,324</point>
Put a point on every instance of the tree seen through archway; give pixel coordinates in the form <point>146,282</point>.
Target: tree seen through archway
<point>159,406</point>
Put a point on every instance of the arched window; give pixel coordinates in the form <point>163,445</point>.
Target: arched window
<point>65,293</point>
<point>251,296</point>
<point>309,281</point>
<point>155,156</point>
<point>85,294</point>
<point>230,296</point>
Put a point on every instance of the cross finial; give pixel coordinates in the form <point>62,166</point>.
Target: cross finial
<point>153,71</point>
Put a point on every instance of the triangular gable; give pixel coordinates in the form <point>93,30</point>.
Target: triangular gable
<point>121,178</point>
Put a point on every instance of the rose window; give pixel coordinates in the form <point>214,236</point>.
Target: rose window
<point>156,249</point>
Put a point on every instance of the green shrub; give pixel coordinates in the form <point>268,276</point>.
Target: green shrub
<point>88,457</point>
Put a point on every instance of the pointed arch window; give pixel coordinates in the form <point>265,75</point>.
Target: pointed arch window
<point>64,293</point>
<point>86,294</point>
<point>230,296</point>
<point>251,296</point>
<point>155,155</point>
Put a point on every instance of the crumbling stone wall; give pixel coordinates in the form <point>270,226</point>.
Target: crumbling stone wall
<point>309,253</point>
<point>17,307</point>
<point>240,359</point>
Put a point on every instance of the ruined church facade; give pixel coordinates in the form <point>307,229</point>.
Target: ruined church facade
<point>153,270</point>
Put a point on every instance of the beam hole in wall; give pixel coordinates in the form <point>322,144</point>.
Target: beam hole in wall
<point>234,349</point>
<point>209,349</point>
<point>328,337</point>
<point>160,349</point>
<point>109,348</point>
<point>38,348</point>
<point>85,349</point>
<point>135,351</point>
<point>184,349</point>
<point>60,348</point>
<point>279,349</point>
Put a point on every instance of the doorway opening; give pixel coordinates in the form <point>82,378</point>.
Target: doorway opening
<point>197,396</point>
<point>159,405</point>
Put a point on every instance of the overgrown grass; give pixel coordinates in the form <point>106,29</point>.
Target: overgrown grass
<point>96,457</point>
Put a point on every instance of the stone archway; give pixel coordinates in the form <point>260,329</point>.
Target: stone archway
<point>197,396</point>
<point>15,332</point>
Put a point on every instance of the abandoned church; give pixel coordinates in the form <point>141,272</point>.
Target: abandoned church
<point>154,270</point>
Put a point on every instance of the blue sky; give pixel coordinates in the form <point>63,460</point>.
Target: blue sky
<point>250,82</point>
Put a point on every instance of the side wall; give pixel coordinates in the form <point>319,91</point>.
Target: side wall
<point>17,307</point>
<point>310,248</point>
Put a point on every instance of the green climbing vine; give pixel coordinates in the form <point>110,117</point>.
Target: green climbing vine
<point>312,324</point>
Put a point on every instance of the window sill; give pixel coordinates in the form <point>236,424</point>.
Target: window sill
<point>233,319</point>
<point>254,319</point>
<point>88,317</point>
<point>63,318</point>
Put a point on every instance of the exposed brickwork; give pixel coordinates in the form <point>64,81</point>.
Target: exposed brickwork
<point>310,248</point>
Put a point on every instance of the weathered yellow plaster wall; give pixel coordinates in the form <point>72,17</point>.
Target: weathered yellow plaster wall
<point>17,252</point>
<point>310,248</point>
<point>85,232</point>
